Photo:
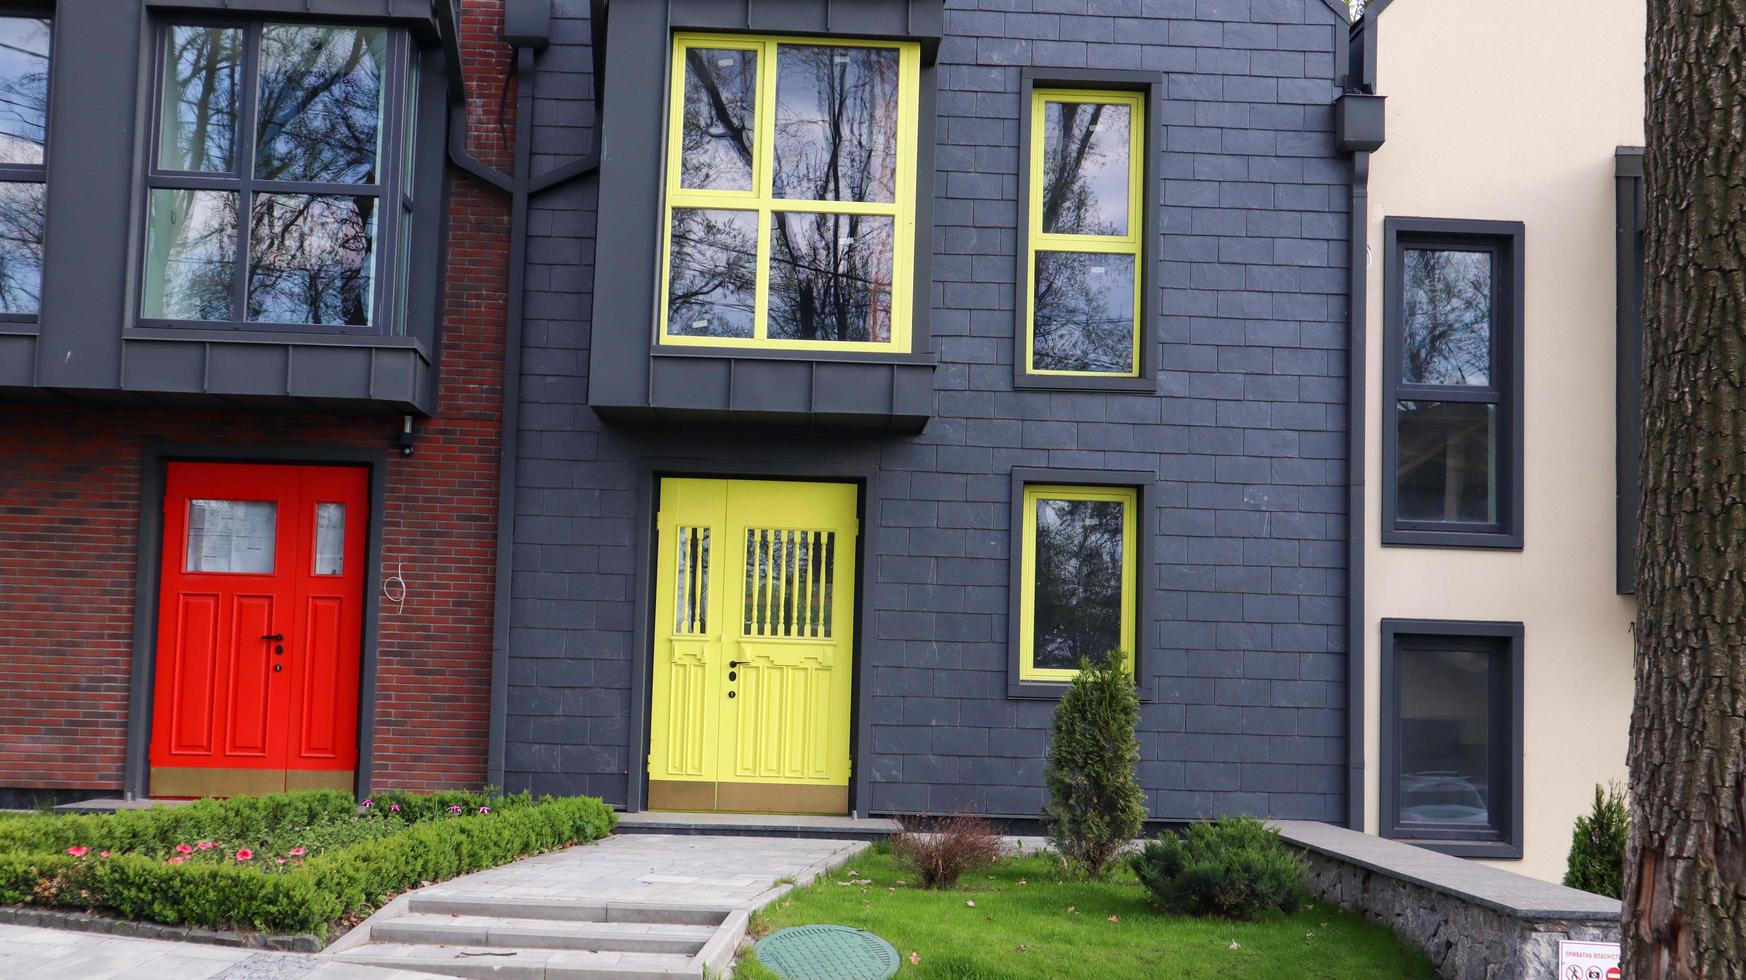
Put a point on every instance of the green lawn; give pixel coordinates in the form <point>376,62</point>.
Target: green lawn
<point>1031,920</point>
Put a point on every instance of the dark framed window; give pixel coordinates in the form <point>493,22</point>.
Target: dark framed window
<point>1452,370</point>
<point>1451,747</point>
<point>1079,560</point>
<point>279,184</point>
<point>24,87</point>
<point>1085,280</point>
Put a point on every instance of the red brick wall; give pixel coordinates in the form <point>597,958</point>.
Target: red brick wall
<point>69,520</point>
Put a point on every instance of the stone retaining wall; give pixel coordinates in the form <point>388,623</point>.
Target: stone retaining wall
<point>1474,921</point>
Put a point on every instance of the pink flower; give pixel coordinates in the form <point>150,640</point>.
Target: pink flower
<point>102,853</point>
<point>455,809</point>
<point>298,861</point>
<point>280,860</point>
<point>178,859</point>
<point>393,808</point>
<point>369,803</point>
<point>295,852</point>
<point>185,849</point>
<point>206,845</point>
<point>77,852</point>
<point>484,809</point>
<point>244,854</point>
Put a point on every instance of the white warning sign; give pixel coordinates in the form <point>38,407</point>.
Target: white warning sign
<point>1588,961</point>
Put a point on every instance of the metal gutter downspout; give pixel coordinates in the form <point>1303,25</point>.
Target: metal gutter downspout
<point>521,184</point>
<point>1357,397</point>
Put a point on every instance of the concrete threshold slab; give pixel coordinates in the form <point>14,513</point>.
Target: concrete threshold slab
<point>112,804</point>
<point>756,825</point>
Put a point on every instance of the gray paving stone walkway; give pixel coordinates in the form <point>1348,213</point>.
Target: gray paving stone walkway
<point>35,953</point>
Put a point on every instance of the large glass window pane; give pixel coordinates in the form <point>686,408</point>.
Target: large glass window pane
<point>830,277</point>
<point>1085,168</point>
<point>24,71</point>
<point>1084,317</point>
<point>1078,582</point>
<point>191,255</point>
<point>712,273</point>
<point>233,536</point>
<point>320,103</point>
<point>720,120</point>
<point>1445,736</point>
<point>836,123</point>
<point>312,259</point>
<point>1446,462</point>
<point>1446,308</point>
<point>21,218</point>
<point>202,99</point>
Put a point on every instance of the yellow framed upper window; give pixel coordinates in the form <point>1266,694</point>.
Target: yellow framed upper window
<point>790,194</point>
<point>1078,587</point>
<point>1086,233</point>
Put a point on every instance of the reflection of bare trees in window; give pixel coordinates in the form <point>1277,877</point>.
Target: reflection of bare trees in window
<point>830,277</point>
<point>1084,317</point>
<point>1085,168</point>
<point>836,123</point>
<point>720,99</point>
<point>1078,581</point>
<point>1446,307</point>
<point>320,104</point>
<point>712,278</point>
<point>21,220</point>
<point>311,258</point>
<point>202,99</point>
<point>191,255</point>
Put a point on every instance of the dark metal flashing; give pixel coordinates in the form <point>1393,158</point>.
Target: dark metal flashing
<point>1151,84</point>
<point>632,377</point>
<point>1628,283</point>
<point>1510,637</point>
<point>155,458</point>
<point>1144,604</point>
<point>650,473</point>
<point>1357,458</point>
<point>1508,238</point>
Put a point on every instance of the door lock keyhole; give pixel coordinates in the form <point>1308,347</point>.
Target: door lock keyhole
<point>733,675</point>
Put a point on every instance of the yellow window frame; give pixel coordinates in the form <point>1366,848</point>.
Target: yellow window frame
<point>762,197</point>
<point>1133,243</point>
<point>1129,498</point>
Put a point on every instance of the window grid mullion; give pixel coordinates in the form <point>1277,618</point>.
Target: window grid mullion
<point>244,165</point>
<point>764,180</point>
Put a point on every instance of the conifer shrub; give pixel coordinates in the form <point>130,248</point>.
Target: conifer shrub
<point>1597,846</point>
<point>1234,867</point>
<point>1095,807</point>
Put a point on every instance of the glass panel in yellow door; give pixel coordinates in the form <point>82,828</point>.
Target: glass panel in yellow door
<point>754,632</point>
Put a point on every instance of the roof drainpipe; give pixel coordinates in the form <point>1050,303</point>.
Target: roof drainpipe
<point>526,29</point>
<point>1358,130</point>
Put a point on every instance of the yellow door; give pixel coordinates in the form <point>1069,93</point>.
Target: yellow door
<point>754,643</point>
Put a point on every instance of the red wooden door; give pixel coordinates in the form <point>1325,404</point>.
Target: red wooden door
<point>260,625</point>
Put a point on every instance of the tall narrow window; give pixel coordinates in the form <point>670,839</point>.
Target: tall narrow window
<point>1451,735</point>
<point>790,194</point>
<point>1077,579</point>
<point>24,81</point>
<point>279,181</point>
<point>1086,241</point>
<point>1451,433</point>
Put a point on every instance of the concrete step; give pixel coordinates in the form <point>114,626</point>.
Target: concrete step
<point>523,964</point>
<point>558,911</point>
<point>523,933</point>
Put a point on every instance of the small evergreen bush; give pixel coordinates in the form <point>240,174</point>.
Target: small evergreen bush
<point>1235,867</point>
<point>942,850</point>
<point>1095,806</point>
<point>1597,847</point>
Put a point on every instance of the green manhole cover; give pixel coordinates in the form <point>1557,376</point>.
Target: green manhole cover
<point>827,953</point>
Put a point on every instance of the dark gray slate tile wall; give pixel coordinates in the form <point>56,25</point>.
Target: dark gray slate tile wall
<point>1245,436</point>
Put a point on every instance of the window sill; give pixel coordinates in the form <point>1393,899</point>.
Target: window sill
<point>21,327</point>
<point>790,354</point>
<point>1496,850</point>
<point>1068,382</point>
<point>1491,540</point>
<point>247,335</point>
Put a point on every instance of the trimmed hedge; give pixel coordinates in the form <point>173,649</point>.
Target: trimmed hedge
<point>155,832</point>
<point>303,898</point>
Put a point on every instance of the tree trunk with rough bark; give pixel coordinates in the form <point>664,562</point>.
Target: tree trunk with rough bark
<point>1685,885</point>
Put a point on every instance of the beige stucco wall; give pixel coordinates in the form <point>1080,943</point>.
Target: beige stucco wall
<point>1510,110</point>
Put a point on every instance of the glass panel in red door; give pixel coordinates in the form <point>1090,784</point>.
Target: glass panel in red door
<point>256,680</point>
